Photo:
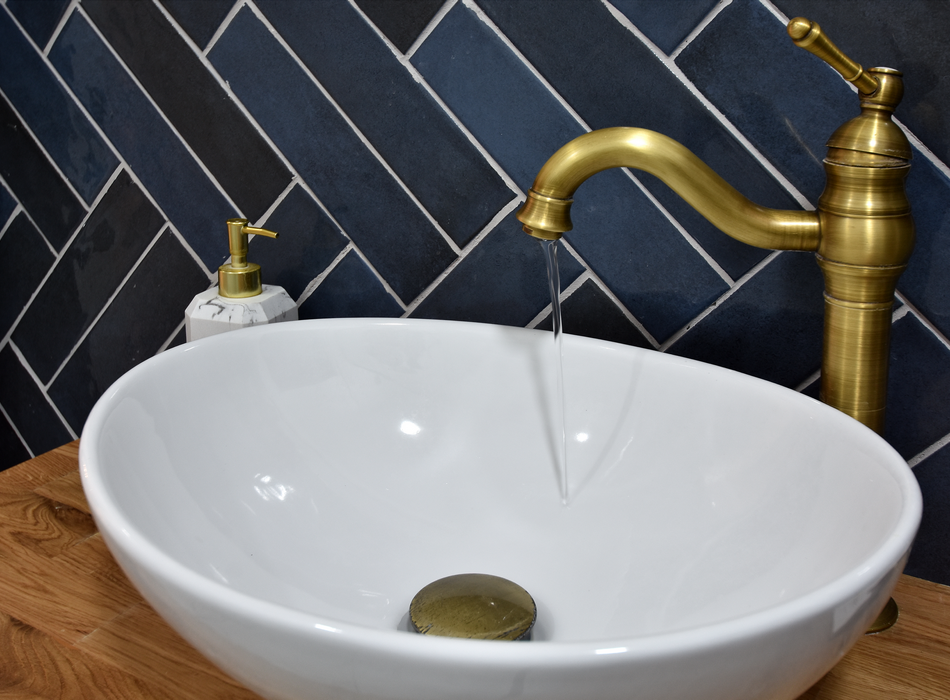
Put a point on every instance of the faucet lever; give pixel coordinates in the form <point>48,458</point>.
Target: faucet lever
<point>809,36</point>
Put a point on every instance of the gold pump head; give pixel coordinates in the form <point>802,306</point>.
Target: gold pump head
<point>240,279</point>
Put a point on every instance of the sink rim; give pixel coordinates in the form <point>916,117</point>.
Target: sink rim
<point>120,533</point>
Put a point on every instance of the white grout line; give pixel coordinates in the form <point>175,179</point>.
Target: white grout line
<point>15,429</point>
<point>920,317</point>
<point>563,295</point>
<point>436,20</point>
<point>169,339</point>
<point>929,451</point>
<point>479,237</point>
<point>698,29</point>
<point>59,255</point>
<point>17,210</point>
<point>420,79</point>
<point>318,280</point>
<point>356,130</point>
<point>161,115</point>
<point>49,158</point>
<point>67,13</point>
<point>225,24</point>
<point>719,116</point>
<point>105,307</point>
<point>43,389</point>
<point>716,304</point>
<point>808,382</point>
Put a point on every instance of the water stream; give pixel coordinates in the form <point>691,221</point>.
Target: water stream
<point>554,284</point>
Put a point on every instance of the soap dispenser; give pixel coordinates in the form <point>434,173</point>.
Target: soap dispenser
<point>240,299</point>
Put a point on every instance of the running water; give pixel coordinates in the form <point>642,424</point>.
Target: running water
<point>554,284</point>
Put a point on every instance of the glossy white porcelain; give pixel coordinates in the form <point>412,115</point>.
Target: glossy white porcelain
<point>280,493</point>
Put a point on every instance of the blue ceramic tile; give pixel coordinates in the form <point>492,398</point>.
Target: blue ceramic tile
<point>619,82</point>
<point>918,388</point>
<point>38,17</point>
<point>402,21</point>
<point>24,260</point>
<point>503,280</point>
<point>351,290</point>
<point>928,559</point>
<point>35,182</point>
<point>131,330</point>
<point>591,313</point>
<point>308,243</point>
<point>200,19</point>
<point>909,36</point>
<point>143,138</point>
<point>7,205</point>
<point>52,115</point>
<point>396,237</point>
<point>27,407</point>
<point>412,133</point>
<point>194,101</point>
<point>108,245</point>
<point>770,328</point>
<point>666,23</point>
<point>12,450</point>
<point>926,281</point>
<point>788,122</point>
<point>638,254</point>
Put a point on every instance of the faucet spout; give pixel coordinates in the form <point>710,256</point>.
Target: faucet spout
<point>546,212</point>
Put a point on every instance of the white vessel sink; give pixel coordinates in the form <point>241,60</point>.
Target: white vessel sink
<point>280,493</point>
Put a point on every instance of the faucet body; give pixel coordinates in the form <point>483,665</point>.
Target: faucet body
<point>862,231</point>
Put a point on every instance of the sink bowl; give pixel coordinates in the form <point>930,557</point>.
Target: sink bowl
<point>281,493</point>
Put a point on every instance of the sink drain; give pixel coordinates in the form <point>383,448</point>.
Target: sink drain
<point>474,606</point>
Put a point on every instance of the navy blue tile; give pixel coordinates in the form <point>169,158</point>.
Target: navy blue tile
<point>929,559</point>
<point>155,154</point>
<point>396,237</point>
<point>413,134</point>
<point>113,238</point>
<point>351,290</point>
<point>909,36</point>
<point>770,328</point>
<point>35,182</point>
<point>917,388</point>
<point>132,329</point>
<point>38,17</point>
<point>666,23</point>
<point>640,256</point>
<point>52,115</point>
<point>788,122</point>
<point>24,260</point>
<point>179,339</point>
<point>194,101</point>
<point>200,19</point>
<point>591,313</point>
<point>635,250</point>
<point>503,280</point>
<point>27,407</point>
<point>7,205</point>
<point>402,21</point>
<point>308,243</point>
<point>926,282</point>
<point>619,82</point>
<point>12,450</point>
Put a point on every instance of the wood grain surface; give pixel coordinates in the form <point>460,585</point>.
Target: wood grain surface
<point>73,628</point>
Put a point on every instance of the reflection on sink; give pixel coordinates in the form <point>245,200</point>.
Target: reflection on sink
<point>280,494</point>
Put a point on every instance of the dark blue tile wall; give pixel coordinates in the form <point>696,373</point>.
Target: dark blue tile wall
<point>390,141</point>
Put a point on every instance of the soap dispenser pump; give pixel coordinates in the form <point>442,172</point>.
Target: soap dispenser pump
<point>239,300</point>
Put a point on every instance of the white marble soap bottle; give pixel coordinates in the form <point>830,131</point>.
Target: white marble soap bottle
<point>239,300</point>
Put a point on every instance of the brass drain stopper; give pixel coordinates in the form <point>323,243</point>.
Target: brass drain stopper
<point>474,606</point>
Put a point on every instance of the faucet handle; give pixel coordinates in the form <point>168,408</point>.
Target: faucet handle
<point>809,36</point>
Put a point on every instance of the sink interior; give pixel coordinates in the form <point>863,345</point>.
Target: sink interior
<point>337,474</point>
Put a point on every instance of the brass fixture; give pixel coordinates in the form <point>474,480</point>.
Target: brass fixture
<point>240,279</point>
<point>862,232</point>
<point>474,606</point>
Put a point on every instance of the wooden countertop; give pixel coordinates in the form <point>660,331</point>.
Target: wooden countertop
<point>73,627</point>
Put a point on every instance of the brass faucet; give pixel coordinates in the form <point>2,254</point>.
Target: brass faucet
<point>862,232</point>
